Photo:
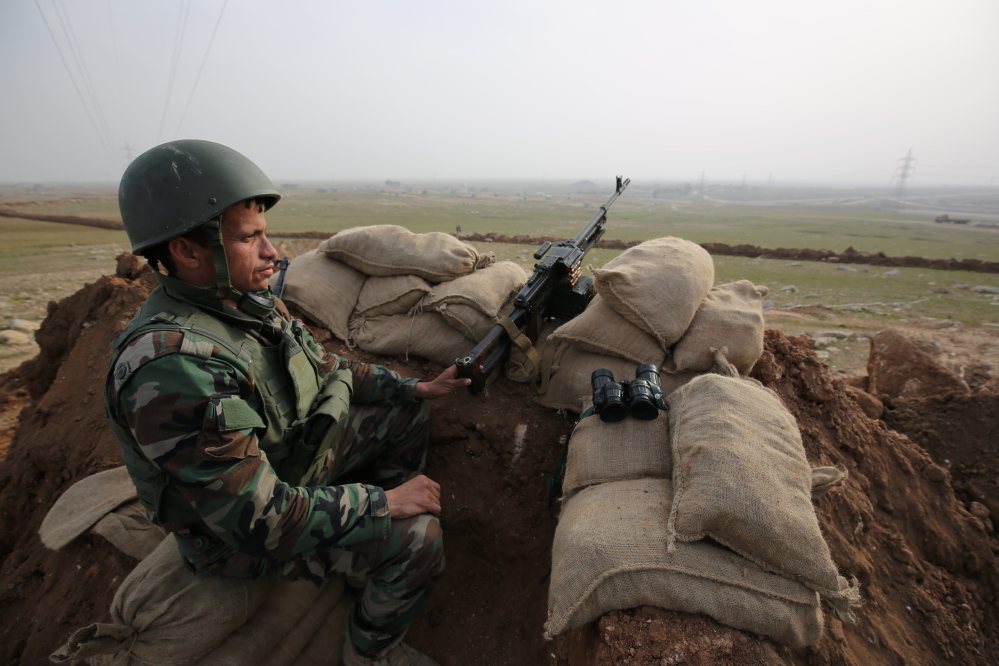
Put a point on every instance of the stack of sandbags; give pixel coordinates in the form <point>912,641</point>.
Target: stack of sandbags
<point>655,304</point>
<point>447,320</point>
<point>610,553</point>
<point>706,510</point>
<point>646,298</point>
<point>323,289</point>
<point>391,291</point>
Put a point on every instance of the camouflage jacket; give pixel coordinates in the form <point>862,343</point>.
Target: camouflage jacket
<point>193,424</point>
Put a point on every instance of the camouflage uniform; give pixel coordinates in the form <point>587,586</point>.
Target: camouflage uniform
<point>255,468</point>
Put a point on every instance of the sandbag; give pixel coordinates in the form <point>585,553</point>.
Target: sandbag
<point>730,316</point>
<point>390,295</point>
<point>609,553</point>
<point>486,290</point>
<point>324,290</point>
<point>129,529</point>
<point>741,478</point>
<point>566,371</point>
<point>601,452</point>
<point>658,285</point>
<point>301,624</point>
<point>85,503</point>
<point>425,335</point>
<point>387,249</point>
<point>164,613</point>
<point>601,330</point>
<point>565,375</point>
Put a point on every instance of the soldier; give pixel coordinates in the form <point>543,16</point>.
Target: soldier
<point>259,450</point>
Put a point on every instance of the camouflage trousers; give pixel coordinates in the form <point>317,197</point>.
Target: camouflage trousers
<point>385,446</point>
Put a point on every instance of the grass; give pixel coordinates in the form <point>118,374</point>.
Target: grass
<point>513,209</point>
<point>46,261</point>
<point>936,294</point>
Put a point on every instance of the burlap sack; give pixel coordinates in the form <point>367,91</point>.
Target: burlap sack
<point>324,290</point>
<point>730,316</point>
<point>601,330</point>
<point>472,303</point>
<point>129,529</point>
<point>610,553</point>
<point>741,477</point>
<point>85,503</point>
<point>300,624</point>
<point>165,614</point>
<point>390,295</point>
<point>425,335</point>
<point>487,289</point>
<point>387,249</point>
<point>658,285</point>
<point>565,375</point>
<point>566,371</point>
<point>630,449</point>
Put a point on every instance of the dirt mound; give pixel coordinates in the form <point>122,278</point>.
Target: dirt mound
<point>926,565</point>
<point>900,365</point>
<point>970,451</point>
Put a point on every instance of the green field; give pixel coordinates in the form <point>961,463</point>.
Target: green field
<point>45,261</point>
<point>547,209</point>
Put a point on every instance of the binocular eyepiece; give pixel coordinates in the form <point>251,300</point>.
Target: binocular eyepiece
<point>641,397</point>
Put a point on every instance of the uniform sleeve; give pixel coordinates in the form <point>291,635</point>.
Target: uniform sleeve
<point>376,383</point>
<point>372,383</point>
<point>192,418</point>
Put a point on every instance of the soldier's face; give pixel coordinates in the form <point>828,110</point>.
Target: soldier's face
<point>249,254</point>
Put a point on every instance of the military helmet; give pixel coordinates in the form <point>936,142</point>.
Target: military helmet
<point>175,187</point>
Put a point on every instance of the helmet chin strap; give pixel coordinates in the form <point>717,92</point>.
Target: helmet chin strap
<point>256,304</point>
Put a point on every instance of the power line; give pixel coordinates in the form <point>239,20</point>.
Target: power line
<point>178,40</point>
<point>201,69</point>
<point>72,78</point>
<point>81,63</point>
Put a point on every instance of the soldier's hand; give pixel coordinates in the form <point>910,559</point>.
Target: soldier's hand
<point>446,382</point>
<point>420,494</point>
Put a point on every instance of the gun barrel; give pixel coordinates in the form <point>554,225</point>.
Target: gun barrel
<point>598,219</point>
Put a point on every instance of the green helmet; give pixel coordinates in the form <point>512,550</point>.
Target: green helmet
<point>178,186</point>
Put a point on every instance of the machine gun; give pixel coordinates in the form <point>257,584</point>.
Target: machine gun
<point>555,289</point>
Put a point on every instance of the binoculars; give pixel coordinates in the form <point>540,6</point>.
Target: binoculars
<point>641,397</point>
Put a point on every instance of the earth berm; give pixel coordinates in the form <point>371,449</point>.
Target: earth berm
<point>927,566</point>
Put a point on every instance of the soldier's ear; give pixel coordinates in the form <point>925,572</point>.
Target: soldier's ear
<point>185,252</point>
<point>193,261</point>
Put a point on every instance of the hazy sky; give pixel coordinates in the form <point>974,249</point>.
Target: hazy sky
<point>654,89</point>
